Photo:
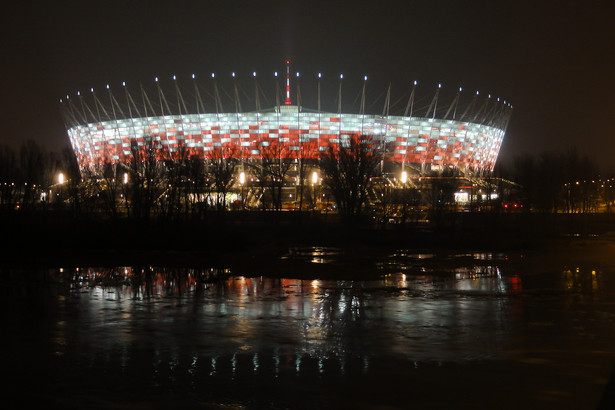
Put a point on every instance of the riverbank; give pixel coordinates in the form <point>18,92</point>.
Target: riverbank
<point>253,243</point>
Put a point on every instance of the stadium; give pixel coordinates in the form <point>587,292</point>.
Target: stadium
<point>412,134</point>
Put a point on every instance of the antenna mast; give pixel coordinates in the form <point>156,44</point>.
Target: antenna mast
<point>287,102</point>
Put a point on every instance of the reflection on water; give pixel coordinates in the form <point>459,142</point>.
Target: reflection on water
<point>313,254</point>
<point>209,332</point>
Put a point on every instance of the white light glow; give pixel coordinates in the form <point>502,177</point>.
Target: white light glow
<point>60,178</point>
<point>341,76</point>
<point>404,177</point>
<point>314,177</point>
<point>242,178</point>
<point>125,177</point>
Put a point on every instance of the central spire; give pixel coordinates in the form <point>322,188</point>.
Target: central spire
<point>287,102</point>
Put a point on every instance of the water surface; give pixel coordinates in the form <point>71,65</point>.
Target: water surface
<point>429,331</point>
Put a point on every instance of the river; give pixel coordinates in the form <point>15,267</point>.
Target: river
<point>453,330</point>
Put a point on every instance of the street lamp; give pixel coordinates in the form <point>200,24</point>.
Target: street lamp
<point>314,182</point>
<point>242,181</point>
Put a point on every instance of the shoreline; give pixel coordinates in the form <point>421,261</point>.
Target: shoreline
<point>257,242</point>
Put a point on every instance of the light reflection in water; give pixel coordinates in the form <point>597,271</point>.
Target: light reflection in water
<point>202,329</point>
<point>235,323</point>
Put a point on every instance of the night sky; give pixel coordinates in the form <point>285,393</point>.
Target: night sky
<point>553,60</point>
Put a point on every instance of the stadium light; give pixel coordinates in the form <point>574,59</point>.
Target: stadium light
<point>233,74</point>
<point>173,78</point>
<point>254,74</point>
<point>314,177</point>
<point>156,79</point>
<point>60,178</point>
<point>213,75</point>
<point>242,178</point>
<point>319,75</point>
<point>193,76</point>
<point>341,76</point>
<point>125,177</point>
<point>275,74</point>
<point>365,78</point>
<point>91,90</point>
<point>404,177</point>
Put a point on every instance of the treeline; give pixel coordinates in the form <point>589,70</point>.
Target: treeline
<point>560,182</point>
<point>163,184</point>
<point>352,179</point>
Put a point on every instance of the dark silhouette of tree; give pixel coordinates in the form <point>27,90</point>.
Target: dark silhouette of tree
<point>144,178</point>
<point>276,164</point>
<point>348,169</point>
<point>36,170</point>
<point>9,177</point>
<point>70,167</point>
<point>223,168</point>
<point>305,162</point>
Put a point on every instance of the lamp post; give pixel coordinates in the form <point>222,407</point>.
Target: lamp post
<point>61,181</point>
<point>314,182</point>
<point>242,181</point>
<point>404,179</point>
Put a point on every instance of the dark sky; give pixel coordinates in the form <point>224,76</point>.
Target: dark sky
<point>553,60</point>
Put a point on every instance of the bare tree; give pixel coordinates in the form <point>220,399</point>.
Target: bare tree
<point>223,165</point>
<point>73,179</point>
<point>276,164</point>
<point>349,168</point>
<point>9,178</point>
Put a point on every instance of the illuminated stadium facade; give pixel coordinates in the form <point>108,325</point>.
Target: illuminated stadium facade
<point>102,129</point>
